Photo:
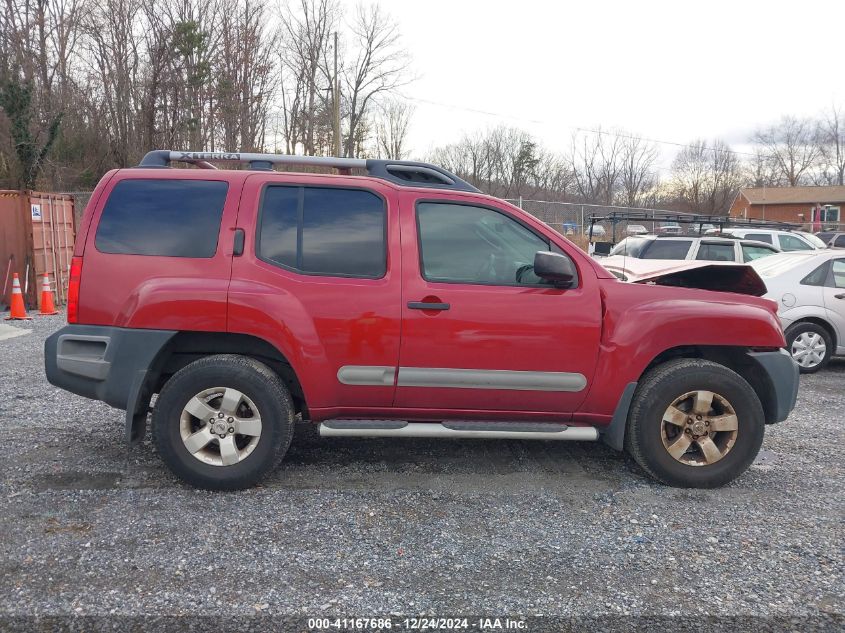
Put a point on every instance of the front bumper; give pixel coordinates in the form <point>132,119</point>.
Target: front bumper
<point>781,372</point>
<point>103,363</point>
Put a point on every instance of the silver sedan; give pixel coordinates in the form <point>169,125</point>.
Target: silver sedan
<point>809,288</point>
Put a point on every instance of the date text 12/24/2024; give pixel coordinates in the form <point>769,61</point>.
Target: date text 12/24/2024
<point>416,624</point>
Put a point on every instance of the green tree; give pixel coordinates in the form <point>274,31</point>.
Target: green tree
<point>16,102</point>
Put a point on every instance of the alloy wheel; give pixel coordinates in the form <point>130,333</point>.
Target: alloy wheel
<point>699,428</point>
<point>220,426</point>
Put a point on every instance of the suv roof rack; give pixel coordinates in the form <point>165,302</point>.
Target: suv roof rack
<point>400,172</point>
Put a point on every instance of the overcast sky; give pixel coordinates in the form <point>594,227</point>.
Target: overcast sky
<point>675,70</point>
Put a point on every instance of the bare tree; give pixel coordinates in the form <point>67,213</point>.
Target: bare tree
<point>596,163</point>
<point>758,170</point>
<point>378,66</point>
<point>246,75</point>
<point>307,31</point>
<point>832,146</point>
<point>638,176</point>
<point>509,163</point>
<point>392,128</point>
<point>467,158</point>
<point>791,149</point>
<point>112,47</point>
<point>37,46</point>
<point>705,178</point>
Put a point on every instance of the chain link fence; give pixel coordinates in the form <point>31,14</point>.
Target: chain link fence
<point>80,201</point>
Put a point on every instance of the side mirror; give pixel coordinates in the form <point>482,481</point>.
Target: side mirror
<point>556,268</point>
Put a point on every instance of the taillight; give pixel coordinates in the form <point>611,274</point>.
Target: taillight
<point>73,290</point>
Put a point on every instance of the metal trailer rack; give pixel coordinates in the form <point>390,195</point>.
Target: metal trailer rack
<point>614,218</point>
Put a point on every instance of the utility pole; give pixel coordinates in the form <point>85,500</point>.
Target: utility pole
<point>337,151</point>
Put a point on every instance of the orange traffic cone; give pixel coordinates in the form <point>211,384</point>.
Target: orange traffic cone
<point>17,309</point>
<point>47,306</point>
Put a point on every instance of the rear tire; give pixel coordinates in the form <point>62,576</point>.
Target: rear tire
<point>805,341</point>
<point>694,424</point>
<point>223,422</point>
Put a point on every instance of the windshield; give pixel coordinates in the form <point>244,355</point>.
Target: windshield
<point>630,246</point>
<point>812,239</point>
<point>781,262</point>
<point>644,248</point>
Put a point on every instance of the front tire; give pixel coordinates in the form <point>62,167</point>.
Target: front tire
<point>810,345</point>
<point>694,424</point>
<point>223,422</point>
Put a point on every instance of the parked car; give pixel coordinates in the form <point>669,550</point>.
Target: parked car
<point>809,288</point>
<point>832,239</point>
<point>668,228</point>
<point>636,229</point>
<point>598,231</point>
<point>650,247</point>
<point>569,228</point>
<point>784,240</point>
<point>244,298</point>
<point>701,229</point>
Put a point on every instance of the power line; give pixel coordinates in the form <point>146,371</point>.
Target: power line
<point>473,110</point>
<point>598,132</point>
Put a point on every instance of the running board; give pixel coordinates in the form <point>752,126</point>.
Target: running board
<point>479,430</point>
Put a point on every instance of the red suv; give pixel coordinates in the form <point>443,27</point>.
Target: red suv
<point>401,303</point>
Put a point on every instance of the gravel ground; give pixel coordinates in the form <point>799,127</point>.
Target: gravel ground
<point>414,527</point>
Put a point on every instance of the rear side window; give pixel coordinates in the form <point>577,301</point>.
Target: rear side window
<point>750,252</point>
<point>759,237</point>
<point>792,243</point>
<point>323,231</point>
<point>817,277</point>
<point>169,218</point>
<point>667,249</point>
<point>716,252</point>
<point>839,242</point>
<point>838,270</point>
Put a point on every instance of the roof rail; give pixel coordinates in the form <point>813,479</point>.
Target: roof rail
<point>400,172</point>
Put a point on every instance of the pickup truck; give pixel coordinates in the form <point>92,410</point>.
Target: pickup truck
<point>393,299</point>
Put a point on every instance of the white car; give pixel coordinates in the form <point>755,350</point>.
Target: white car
<point>784,240</point>
<point>809,288</point>
<point>598,230</point>
<point>645,253</point>
<point>636,229</point>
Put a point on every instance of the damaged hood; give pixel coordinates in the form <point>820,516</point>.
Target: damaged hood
<point>717,276</point>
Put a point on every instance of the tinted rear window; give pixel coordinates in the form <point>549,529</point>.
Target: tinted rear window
<point>324,231</point>
<point>667,249</point>
<point>759,237</point>
<point>716,252</point>
<point>170,218</point>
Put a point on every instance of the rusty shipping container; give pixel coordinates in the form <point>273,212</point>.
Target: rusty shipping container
<point>37,232</point>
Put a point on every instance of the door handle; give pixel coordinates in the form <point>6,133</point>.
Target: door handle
<point>238,246</point>
<point>841,295</point>
<point>424,305</point>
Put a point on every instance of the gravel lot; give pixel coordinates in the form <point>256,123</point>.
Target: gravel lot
<point>374,527</point>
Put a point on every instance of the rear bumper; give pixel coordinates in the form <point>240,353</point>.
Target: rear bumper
<point>103,363</point>
<point>782,374</point>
